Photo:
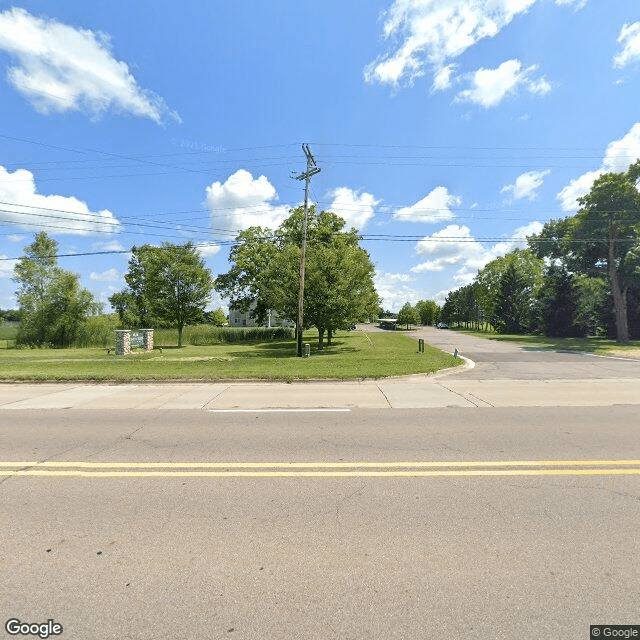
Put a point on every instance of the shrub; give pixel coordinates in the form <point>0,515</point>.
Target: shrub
<point>206,334</point>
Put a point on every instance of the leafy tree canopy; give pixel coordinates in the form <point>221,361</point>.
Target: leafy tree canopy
<point>408,315</point>
<point>53,305</point>
<point>265,273</point>
<point>602,239</point>
<point>168,285</point>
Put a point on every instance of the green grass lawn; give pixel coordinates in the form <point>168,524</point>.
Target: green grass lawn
<point>602,346</point>
<point>353,355</point>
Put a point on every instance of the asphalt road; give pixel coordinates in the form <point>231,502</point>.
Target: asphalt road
<point>442,523</point>
<point>497,502</point>
<point>508,361</point>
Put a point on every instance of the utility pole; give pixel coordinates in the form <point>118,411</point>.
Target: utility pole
<point>312,169</point>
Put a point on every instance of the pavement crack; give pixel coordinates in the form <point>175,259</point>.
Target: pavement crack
<point>129,436</point>
<point>385,396</point>
<point>464,397</point>
<point>215,397</point>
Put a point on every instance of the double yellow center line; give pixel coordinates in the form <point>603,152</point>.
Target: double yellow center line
<point>411,469</point>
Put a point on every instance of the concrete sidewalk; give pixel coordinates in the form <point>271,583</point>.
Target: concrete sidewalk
<point>396,393</point>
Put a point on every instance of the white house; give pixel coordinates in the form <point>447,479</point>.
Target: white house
<point>239,319</point>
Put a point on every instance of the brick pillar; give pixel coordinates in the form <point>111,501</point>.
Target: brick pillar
<point>123,342</point>
<point>147,339</point>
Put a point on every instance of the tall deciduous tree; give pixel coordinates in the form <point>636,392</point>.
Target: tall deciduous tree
<point>408,315</point>
<point>53,305</point>
<point>170,283</point>
<point>265,273</point>
<point>602,238</point>
<point>429,312</point>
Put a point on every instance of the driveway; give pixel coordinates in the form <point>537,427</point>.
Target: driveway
<point>507,361</point>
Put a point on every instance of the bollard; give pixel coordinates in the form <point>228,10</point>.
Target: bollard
<point>307,349</point>
<point>420,345</point>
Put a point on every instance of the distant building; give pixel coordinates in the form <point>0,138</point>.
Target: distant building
<point>238,318</point>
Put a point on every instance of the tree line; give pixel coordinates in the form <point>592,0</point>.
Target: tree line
<point>580,276</point>
<point>170,286</point>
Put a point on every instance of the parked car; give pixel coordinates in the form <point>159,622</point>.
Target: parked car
<point>442,325</point>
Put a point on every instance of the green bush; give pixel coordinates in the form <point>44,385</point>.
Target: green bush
<point>206,334</point>
<point>97,331</point>
<point>8,331</point>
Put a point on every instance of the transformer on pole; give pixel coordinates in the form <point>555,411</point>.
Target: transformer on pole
<point>312,169</point>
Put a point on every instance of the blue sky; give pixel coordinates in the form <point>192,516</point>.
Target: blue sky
<point>445,130</point>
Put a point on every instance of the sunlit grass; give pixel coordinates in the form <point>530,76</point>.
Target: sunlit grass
<point>353,355</point>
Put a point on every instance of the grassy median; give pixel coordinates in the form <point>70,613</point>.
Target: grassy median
<point>352,355</point>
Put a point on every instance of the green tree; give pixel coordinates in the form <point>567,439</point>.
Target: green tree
<point>408,315</point>
<point>602,239</point>
<point>247,284</point>
<point>512,306</point>
<point>125,304</point>
<point>593,301</point>
<point>557,301</point>
<point>265,273</point>
<point>216,317</point>
<point>170,284</point>
<point>506,291</point>
<point>53,305</point>
<point>429,312</point>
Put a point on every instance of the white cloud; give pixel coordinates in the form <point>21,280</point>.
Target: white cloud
<point>618,156</point>
<point>629,38</point>
<point>452,245</point>
<point>394,290</point>
<point>434,207</point>
<point>442,78</point>
<point>490,86</point>
<point>455,246</point>
<point>526,185</point>
<point>110,275</point>
<point>112,245</point>
<point>579,4</point>
<point>398,277</point>
<point>208,250</point>
<point>429,33</point>
<point>577,188</point>
<point>61,68</point>
<point>356,208</point>
<point>21,205</point>
<point>505,246</point>
<point>6,266</point>
<point>14,237</point>
<point>242,202</point>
